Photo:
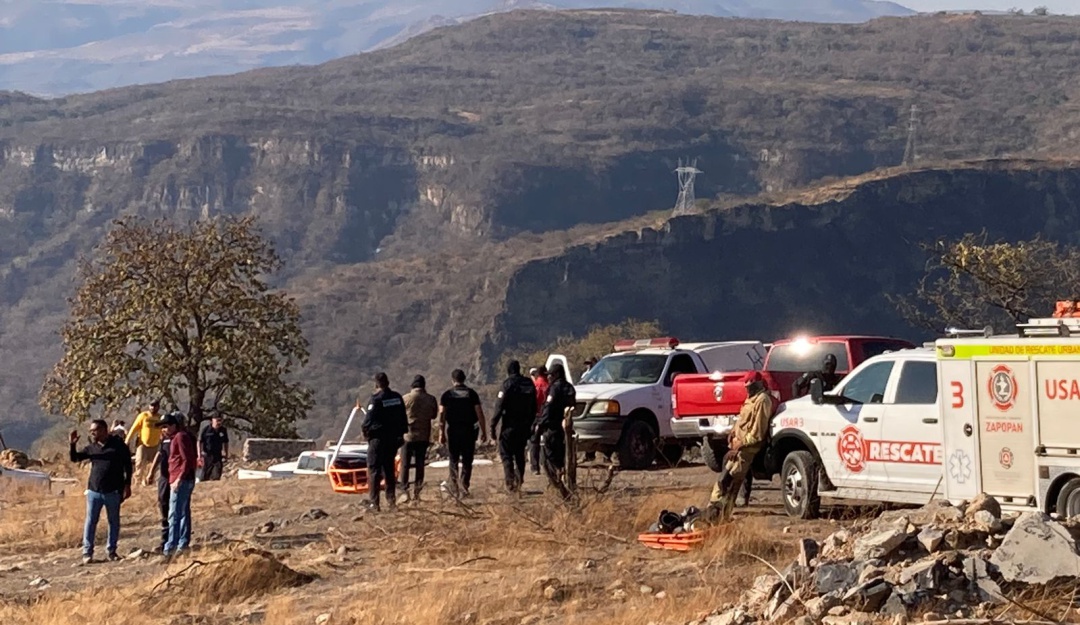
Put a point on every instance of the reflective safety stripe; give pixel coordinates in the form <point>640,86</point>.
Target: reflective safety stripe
<point>963,352</point>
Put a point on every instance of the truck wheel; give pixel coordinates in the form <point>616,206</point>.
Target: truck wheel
<point>799,485</point>
<point>713,452</point>
<point>671,453</point>
<point>1068,500</point>
<point>637,447</point>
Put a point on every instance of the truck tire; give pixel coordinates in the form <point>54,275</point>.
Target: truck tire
<point>637,447</point>
<point>671,454</point>
<point>713,452</point>
<point>799,485</point>
<point>1068,500</point>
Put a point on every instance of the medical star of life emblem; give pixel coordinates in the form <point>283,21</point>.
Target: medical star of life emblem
<point>959,466</point>
<point>1002,387</point>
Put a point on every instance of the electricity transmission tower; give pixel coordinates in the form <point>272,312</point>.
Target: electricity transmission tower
<point>909,150</point>
<point>686,172</point>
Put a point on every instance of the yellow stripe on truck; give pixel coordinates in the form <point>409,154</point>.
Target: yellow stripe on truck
<point>962,352</point>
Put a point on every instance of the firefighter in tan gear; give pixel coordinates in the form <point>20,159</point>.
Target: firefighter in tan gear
<point>747,438</point>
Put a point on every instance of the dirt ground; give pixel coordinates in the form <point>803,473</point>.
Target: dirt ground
<point>491,560</point>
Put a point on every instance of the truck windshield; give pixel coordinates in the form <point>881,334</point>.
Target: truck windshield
<point>802,357</point>
<point>626,369</point>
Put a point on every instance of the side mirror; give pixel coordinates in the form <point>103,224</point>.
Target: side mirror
<point>817,392</point>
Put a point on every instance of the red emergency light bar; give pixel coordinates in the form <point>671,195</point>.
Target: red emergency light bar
<point>631,345</point>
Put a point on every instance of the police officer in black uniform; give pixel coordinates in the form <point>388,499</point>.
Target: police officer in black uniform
<point>828,376</point>
<point>384,428</point>
<point>561,395</point>
<point>516,409</point>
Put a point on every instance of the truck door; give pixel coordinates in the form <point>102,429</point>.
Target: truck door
<point>855,425</point>
<point>958,429</point>
<point>1006,439</point>
<point>678,364</point>
<point>911,430</point>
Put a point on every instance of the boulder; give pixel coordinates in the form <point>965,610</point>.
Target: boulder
<point>835,542</point>
<point>765,586</point>
<point>868,596</point>
<point>977,573</point>
<point>894,606</point>
<point>835,576</point>
<point>931,538</point>
<point>818,607</point>
<point>986,521</point>
<point>1036,550</point>
<point>855,618</point>
<point>924,575</point>
<point>983,502</point>
<point>784,610</point>
<point>734,616</point>
<point>878,544</point>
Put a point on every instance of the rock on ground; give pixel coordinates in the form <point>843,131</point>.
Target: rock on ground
<point>1036,550</point>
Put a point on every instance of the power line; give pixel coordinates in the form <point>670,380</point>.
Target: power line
<point>686,172</point>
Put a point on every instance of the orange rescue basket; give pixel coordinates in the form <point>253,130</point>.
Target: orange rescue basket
<point>355,481</point>
<point>684,541</point>
<point>1067,308</point>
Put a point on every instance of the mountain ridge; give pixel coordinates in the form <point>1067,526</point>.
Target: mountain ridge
<point>64,47</point>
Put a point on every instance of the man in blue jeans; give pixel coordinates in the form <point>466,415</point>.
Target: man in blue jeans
<point>109,484</point>
<point>183,460</point>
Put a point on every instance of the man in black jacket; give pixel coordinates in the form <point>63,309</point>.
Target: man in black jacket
<point>561,395</point>
<point>384,427</point>
<point>828,376</point>
<point>516,409</point>
<point>108,486</point>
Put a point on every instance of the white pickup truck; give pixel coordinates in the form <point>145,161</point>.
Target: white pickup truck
<point>877,436</point>
<point>624,401</point>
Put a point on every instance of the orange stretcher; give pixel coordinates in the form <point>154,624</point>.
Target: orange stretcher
<point>355,481</point>
<point>1067,308</point>
<point>673,542</point>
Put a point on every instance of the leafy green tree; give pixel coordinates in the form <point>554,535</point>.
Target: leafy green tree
<point>973,282</point>
<point>182,313</point>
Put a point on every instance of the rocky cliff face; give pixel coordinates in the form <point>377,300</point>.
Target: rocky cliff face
<point>760,271</point>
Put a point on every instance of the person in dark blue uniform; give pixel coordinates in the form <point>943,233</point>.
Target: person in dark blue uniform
<point>384,427</point>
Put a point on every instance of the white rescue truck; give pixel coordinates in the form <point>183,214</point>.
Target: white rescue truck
<point>875,437</point>
<point>1010,410</point>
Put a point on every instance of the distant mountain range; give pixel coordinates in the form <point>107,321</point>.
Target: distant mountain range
<point>53,47</point>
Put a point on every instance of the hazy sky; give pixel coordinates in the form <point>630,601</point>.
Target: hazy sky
<point>1071,7</point>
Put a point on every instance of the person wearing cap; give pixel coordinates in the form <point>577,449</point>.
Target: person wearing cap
<point>107,487</point>
<point>745,441</point>
<point>385,424</point>
<point>515,408</point>
<point>828,376</point>
<point>183,461</point>
<point>540,381</point>
<point>421,409</point>
<point>147,436</point>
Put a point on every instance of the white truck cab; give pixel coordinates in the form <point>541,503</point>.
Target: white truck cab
<point>624,401</point>
<point>877,436</point>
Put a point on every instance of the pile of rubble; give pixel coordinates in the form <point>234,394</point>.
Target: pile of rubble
<point>948,561</point>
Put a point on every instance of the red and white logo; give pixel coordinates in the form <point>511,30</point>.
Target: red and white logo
<point>1002,387</point>
<point>852,449</point>
<point>1006,457</point>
